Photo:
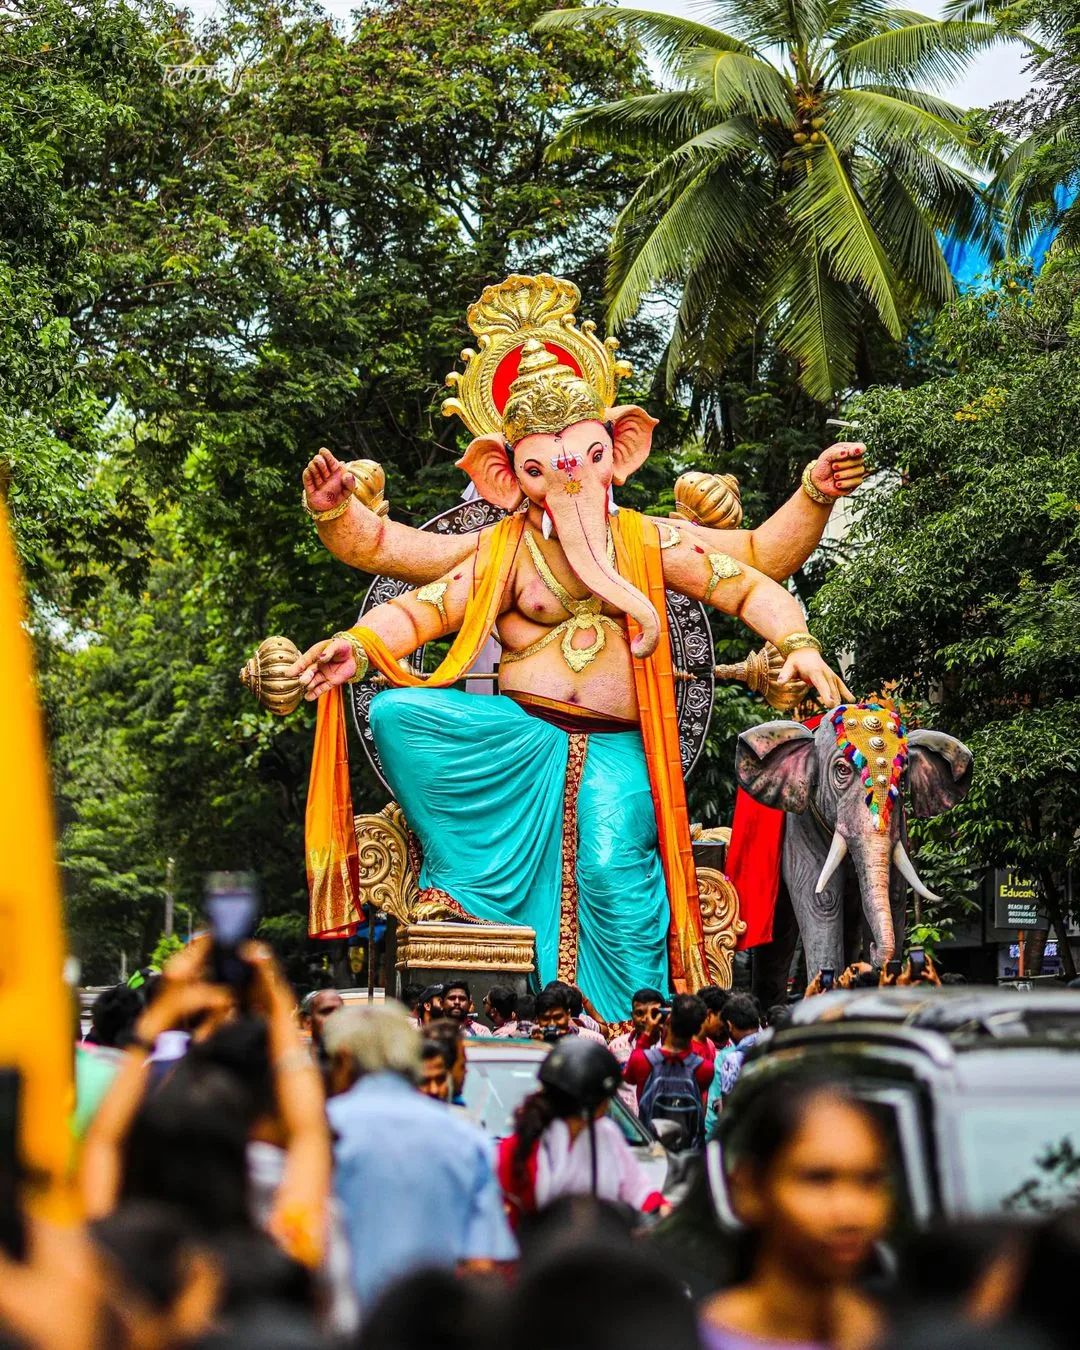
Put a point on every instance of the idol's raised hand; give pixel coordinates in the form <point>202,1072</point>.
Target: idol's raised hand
<point>840,469</point>
<point>327,482</point>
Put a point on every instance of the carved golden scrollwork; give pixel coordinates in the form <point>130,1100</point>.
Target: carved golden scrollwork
<point>457,946</point>
<point>720,917</point>
<point>387,880</point>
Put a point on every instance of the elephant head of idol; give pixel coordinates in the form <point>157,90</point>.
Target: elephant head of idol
<point>540,394</point>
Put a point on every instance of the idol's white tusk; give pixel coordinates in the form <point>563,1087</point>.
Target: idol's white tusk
<point>907,871</point>
<point>612,509</point>
<point>546,525</point>
<point>837,854</point>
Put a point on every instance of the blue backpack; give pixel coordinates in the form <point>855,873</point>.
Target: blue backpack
<point>671,1092</point>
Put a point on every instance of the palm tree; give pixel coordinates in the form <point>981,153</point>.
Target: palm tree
<point>800,177</point>
<point>1037,181</point>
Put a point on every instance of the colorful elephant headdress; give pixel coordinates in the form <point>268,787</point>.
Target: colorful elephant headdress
<point>535,371</point>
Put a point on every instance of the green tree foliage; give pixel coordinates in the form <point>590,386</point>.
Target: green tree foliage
<point>1046,126</point>
<point>962,585</point>
<point>280,229</point>
<point>65,74</point>
<point>801,175</point>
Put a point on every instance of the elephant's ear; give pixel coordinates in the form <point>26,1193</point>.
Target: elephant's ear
<point>488,465</point>
<point>939,772</point>
<point>632,430</point>
<point>776,764</point>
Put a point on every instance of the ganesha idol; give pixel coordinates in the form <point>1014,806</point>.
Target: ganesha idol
<point>558,805</point>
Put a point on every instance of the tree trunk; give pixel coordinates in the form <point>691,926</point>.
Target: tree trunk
<point>1053,908</point>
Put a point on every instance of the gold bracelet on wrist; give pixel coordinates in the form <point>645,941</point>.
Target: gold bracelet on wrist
<point>812,490</point>
<point>359,654</point>
<point>331,513</point>
<point>798,642</point>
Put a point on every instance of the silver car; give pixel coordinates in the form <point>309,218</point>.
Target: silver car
<point>501,1075</point>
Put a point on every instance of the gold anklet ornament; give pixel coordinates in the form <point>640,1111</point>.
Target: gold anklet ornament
<point>798,642</point>
<point>812,490</point>
<point>359,655</point>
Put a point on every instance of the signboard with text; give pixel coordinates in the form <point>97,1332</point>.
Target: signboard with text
<point>1016,903</point>
<point>1013,905</point>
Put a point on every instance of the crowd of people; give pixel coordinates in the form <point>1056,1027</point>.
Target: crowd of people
<point>256,1173</point>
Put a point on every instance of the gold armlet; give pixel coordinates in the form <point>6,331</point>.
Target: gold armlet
<point>798,642</point>
<point>322,517</point>
<point>812,490</point>
<point>721,568</point>
<point>360,655</point>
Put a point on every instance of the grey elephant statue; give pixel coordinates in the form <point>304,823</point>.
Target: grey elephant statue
<point>846,788</point>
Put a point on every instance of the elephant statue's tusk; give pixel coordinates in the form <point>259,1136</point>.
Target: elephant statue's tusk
<point>546,525</point>
<point>837,853</point>
<point>907,870</point>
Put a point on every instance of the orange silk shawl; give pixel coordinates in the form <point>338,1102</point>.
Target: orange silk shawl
<point>637,550</point>
<point>330,835</point>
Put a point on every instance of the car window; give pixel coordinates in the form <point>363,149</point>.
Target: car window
<point>897,1107</point>
<point>495,1088</point>
<point>1022,1157</point>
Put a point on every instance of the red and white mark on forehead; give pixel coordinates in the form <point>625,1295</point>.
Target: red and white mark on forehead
<point>565,462</point>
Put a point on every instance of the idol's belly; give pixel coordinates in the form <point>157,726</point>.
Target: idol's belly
<point>605,685</point>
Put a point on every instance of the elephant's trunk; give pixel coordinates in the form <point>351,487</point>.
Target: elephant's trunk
<point>872,854</point>
<point>581,520</point>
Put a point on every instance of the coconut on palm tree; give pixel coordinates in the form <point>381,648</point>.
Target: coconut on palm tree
<point>801,176</point>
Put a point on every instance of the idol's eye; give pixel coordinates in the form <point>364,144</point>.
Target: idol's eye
<point>533,472</point>
<point>598,455</point>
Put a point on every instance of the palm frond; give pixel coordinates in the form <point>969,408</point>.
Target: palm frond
<point>704,218</point>
<point>670,37</point>
<point>720,304</point>
<point>816,316</point>
<point>773,23</point>
<point>825,203</point>
<point>722,140</point>
<point>901,222</point>
<point>738,83</point>
<point>646,123</point>
<point>935,50</point>
<point>873,116</point>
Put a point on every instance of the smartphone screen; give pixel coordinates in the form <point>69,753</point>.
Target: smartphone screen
<point>828,979</point>
<point>893,967</point>
<point>232,906</point>
<point>917,957</point>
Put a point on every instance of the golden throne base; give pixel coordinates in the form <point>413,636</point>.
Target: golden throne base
<point>431,946</point>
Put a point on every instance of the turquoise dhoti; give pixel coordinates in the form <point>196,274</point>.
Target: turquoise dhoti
<point>524,823</point>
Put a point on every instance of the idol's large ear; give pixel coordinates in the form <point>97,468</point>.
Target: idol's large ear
<point>488,465</point>
<point>632,430</point>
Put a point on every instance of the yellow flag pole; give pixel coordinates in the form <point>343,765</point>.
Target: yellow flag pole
<point>36,1027</point>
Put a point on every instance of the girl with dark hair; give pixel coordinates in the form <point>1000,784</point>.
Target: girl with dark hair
<point>563,1142</point>
<point>810,1182</point>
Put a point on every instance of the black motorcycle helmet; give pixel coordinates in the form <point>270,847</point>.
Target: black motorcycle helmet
<point>585,1071</point>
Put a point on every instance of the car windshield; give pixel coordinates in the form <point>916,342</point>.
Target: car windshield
<point>495,1087</point>
<point>1023,1158</point>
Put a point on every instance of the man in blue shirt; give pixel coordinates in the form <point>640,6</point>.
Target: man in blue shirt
<point>414,1179</point>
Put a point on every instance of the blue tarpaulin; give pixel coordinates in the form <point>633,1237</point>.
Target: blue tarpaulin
<point>970,264</point>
